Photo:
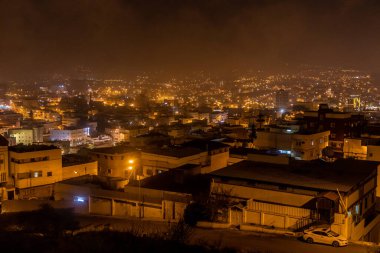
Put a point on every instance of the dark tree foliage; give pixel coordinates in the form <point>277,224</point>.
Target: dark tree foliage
<point>195,212</point>
<point>47,221</point>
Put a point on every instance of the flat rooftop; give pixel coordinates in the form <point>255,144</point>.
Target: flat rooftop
<point>72,159</point>
<point>342,174</point>
<point>178,152</point>
<point>114,150</point>
<point>206,145</point>
<point>20,148</point>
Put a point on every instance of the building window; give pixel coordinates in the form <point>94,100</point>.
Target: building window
<point>23,175</point>
<point>49,174</point>
<point>109,171</point>
<point>333,136</point>
<point>332,124</point>
<point>370,154</point>
<point>3,177</point>
<point>37,174</point>
<point>111,157</point>
<point>105,157</point>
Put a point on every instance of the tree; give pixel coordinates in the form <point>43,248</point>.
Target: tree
<point>49,221</point>
<point>195,212</point>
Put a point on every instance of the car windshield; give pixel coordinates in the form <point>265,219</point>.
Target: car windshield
<point>332,233</point>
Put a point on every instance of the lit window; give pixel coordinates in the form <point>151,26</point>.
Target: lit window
<point>37,174</point>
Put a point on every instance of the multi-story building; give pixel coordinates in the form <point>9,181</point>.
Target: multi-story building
<point>157,160</point>
<point>3,161</point>
<point>24,136</point>
<point>34,165</point>
<point>292,194</point>
<point>118,161</point>
<point>340,124</point>
<point>301,145</point>
<point>124,134</point>
<point>76,136</point>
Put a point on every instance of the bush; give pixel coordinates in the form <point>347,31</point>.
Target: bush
<point>195,212</point>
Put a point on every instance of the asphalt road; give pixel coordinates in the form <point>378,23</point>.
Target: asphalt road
<point>248,241</point>
<point>244,241</point>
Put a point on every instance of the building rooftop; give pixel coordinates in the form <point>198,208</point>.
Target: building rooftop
<point>206,145</point>
<point>114,150</point>
<point>20,148</point>
<point>175,181</point>
<point>343,174</point>
<point>178,152</point>
<point>72,159</point>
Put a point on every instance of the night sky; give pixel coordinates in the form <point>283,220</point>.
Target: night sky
<point>115,37</point>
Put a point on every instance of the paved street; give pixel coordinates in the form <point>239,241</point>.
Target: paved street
<point>269,243</point>
<point>245,241</point>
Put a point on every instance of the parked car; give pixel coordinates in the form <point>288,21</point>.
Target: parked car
<point>324,236</point>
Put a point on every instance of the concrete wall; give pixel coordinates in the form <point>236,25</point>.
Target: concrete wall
<point>39,192</point>
<point>373,153</point>
<point>100,206</point>
<point>265,195</point>
<point>123,208</point>
<point>278,216</point>
<point>150,204</point>
<point>218,161</point>
<point>77,170</point>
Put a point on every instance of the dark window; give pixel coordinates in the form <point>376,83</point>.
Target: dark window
<point>149,172</point>
<point>366,203</point>
<point>49,174</point>
<point>23,175</point>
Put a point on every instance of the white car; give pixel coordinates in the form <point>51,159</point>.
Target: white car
<point>325,236</point>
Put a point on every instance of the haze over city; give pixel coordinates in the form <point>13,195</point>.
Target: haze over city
<point>122,38</point>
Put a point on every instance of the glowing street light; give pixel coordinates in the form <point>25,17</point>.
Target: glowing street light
<point>131,161</point>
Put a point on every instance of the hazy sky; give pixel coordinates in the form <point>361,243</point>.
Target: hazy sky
<point>119,36</point>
